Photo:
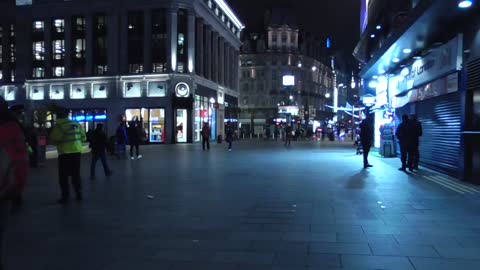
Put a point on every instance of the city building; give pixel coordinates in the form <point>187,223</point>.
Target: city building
<point>170,64</point>
<point>423,57</point>
<point>282,69</point>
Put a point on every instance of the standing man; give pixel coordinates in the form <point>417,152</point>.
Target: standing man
<point>69,137</point>
<point>122,138</point>
<point>366,137</point>
<point>99,143</point>
<point>134,138</point>
<point>403,136</point>
<point>206,136</point>
<point>229,136</point>
<point>417,132</point>
<point>288,135</point>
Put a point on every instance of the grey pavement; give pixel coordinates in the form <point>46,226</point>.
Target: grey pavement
<point>261,206</point>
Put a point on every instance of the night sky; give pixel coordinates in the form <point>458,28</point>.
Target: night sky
<point>339,19</point>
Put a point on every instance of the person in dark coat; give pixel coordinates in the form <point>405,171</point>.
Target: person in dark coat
<point>122,138</point>
<point>366,137</point>
<point>288,135</point>
<point>133,133</point>
<point>417,132</point>
<point>229,136</point>
<point>404,138</point>
<point>206,136</point>
<point>99,144</point>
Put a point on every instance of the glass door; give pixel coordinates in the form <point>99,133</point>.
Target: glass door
<point>182,125</point>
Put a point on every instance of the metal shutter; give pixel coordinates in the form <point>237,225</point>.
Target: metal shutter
<point>440,145</point>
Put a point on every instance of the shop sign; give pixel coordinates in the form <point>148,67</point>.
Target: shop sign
<point>293,110</point>
<point>445,85</point>
<point>439,62</point>
<point>182,90</point>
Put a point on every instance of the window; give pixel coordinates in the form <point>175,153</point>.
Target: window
<point>12,30</point>
<point>37,93</point>
<point>39,50</point>
<point>38,26</point>
<point>57,92</point>
<point>78,91</point>
<point>100,23</point>
<point>58,49</point>
<point>101,69</point>
<point>135,68</point>
<point>58,71</point>
<point>159,67</point>
<point>13,51</point>
<point>59,25</point>
<point>132,89</point>
<point>80,48</point>
<point>157,89</point>
<point>99,90</point>
<point>12,75</point>
<point>79,24</point>
<point>1,74</point>
<point>181,43</point>
<point>38,72</point>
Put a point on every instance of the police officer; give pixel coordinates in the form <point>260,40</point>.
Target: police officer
<point>69,137</point>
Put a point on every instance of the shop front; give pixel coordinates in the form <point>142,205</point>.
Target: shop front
<point>152,122</point>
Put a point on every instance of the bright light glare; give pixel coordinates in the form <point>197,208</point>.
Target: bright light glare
<point>373,84</point>
<point>465,3</point>
<point>327,95</point>
<point>396,60</point>
<point>407,51</point>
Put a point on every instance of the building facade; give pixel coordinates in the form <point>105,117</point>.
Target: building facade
<point>422,57</point>
<point>173,65</point>
<point>281,68</point>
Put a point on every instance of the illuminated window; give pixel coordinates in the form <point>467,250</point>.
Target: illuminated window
<point>13,51</point>
<point>159,67</point>
<point>59,71</point>
<point>38,72</point>
<point>37,93</point>
<point>79,24</point>
<point>80,48</point>
<point>157,89</point>
<point>101,69</point>
<point>59,25</point>
<point>57,92</point>
<point>12,75</point>
<point>38,50</point>
<point>78,91</point>
<point>58,49</point>
<point>135,68</point>
<point>99,90</point>
<point>132,89</point>
<point>38,26</point>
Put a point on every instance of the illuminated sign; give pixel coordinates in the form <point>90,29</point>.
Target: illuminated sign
<point>293,110</point>
<point>182,90</point>
<point>23,2</point>
<point>288,80</point>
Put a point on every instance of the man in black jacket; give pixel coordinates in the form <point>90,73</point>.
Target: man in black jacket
<point>416,131</point>
<point>405,140</point>
<point>366,137</point>
<point>99,143</point>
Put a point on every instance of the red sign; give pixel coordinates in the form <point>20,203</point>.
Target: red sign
<point>203,113</point>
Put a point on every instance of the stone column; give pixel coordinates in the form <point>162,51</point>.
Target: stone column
<point>221,61</point>
<point>289,40</point>
<point>208,53</point>
<point>295,40</point>
<point>48,48</point>
<point>89,27</point>
<point>172,39</point>
<point>200,54</point>
<point>279,40</point>
<point>113,45</point>
<point>270,40</point>
<point>215,57</point>
<point>69,47</point>
<point>123,46</point>
<point>147,41</point>
<point>191,42</point>
<point>236,71</point>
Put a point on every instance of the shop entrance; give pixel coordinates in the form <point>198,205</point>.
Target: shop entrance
<point>181,125</point>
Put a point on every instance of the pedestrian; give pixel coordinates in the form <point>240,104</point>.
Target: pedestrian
<point>69,137</point>
<point>122,138</point>
<point>404,139</point>
<point>417,132</point>
<point>206,136</point>
<point>366,137</point>
<point>7,184</point>
<point>99,144</point>
<point>288,134</point>
<point>134,139</point>
<point>229,137</point>
<point>276,133</point>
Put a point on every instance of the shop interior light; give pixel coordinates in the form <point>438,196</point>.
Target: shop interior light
<point>379,27</point>
<point>407,51</point>
<point>374,77</point>
<point>373,84</point>
<point>405,72</point>
<point>465,3</point>
<point>314,68</point>
<point>300,65</point>
<point>395,60</point>
<point>372,36</point>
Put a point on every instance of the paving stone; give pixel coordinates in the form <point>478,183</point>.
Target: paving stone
<point>340,248</point>
<point>376,262</point>
<point>404,250</point>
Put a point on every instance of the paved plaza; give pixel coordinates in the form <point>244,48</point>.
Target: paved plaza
<point>259,207</point>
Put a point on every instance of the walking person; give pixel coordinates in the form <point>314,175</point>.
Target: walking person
<point>417,132</point>
<point>366,137</point>
<point>69,137</point>
<point>403,134</point>
<point>122,138</point>
<point>288,135</point>
<point>99,143</point>
<point>206,136</point>
<point>229,136</point>
<point>134,139</point>
<point>276,133</point>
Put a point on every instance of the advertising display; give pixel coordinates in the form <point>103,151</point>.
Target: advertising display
<point>293,110</point>
<point>288,80</point>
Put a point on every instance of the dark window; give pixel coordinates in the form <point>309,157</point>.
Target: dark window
<point>79,24</point>
<point>100,52</point>
<point>135,41</point>
<point>182,41</point>
<point>159,41</point>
